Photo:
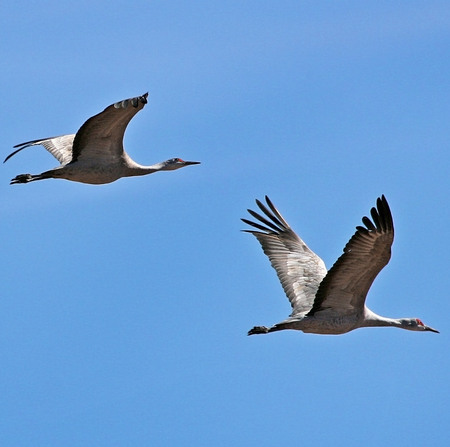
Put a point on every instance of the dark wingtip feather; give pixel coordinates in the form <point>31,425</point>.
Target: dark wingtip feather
<point>15,152</point>
<point>375,213</point>
<point>256,225</point>
<point>273,214</point>
<point>368,223</point>
<point>389,222</point>
<point>381,217</point>
<point>142,99</point>
<point>262,219</point>
<point>133,101</point>
<point>385,215</point>
<point>8,157</point>
<point>270,221</point>
<point>276,213</point>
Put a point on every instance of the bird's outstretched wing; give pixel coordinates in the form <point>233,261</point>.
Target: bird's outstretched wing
<point>101,137</point>
<point>299,269</point>
<point>344,289</point>
<point>60,147</point>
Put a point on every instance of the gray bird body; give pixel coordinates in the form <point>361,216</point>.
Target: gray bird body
<point>328,302</point>
<point>95,154</point>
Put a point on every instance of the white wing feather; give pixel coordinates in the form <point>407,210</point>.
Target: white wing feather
<point>299,269</point>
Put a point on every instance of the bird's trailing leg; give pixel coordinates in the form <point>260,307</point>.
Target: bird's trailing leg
<point>266,330</point>
<point>21,178</point>
<point>25,178</point>
<point>258,330</point>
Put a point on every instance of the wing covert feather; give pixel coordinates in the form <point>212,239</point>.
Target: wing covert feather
<point>101,136</point>
<point>345,287</point>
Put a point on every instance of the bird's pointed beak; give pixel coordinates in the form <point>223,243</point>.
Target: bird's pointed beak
<point>187,163</point>
<point>428,328</point>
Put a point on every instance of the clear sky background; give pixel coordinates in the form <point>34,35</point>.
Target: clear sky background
<point>125,307</point>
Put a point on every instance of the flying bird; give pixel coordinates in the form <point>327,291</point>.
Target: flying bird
<point>95,153</point>
<point>328,302</point>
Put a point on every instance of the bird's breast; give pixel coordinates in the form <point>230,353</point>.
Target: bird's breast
<point>92,173</point>
<point>331,326</point>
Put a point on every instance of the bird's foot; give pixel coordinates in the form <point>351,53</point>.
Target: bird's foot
<point>258,330</point>
<point>21,178</point>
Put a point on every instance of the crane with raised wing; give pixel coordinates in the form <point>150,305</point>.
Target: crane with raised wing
<point>333,301</point>
<point>95,153</point>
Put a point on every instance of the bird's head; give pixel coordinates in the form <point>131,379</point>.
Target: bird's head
<point>176,163</point>
<point>414,324</point>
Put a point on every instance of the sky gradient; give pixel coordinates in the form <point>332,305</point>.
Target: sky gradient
<point>125,307</point>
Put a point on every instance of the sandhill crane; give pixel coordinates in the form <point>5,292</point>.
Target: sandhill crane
<point>330,302</point>
<point>95,153</point>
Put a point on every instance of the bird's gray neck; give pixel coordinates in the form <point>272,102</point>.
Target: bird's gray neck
<point>374,320</point>
<point>144,170</point>
<point>134,169</point>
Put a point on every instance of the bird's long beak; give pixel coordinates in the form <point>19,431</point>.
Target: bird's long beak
<point>428,328</point>
<point>187,163</point>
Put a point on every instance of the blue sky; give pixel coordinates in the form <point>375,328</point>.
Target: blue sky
<point>125,307</point>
